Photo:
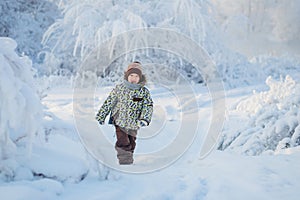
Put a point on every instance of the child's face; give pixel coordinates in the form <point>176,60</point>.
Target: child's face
<point>133,78</point>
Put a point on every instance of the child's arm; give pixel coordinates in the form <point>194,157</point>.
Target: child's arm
<point>106,106</point>
<point>147,109</point>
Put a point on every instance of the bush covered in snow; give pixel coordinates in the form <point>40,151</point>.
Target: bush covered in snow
<point>274,120</point>
<point>20,107</point>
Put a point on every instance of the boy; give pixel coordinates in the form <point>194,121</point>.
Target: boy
<point>130,106</point>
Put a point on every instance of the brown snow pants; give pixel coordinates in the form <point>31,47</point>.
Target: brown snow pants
<point>125,145</point>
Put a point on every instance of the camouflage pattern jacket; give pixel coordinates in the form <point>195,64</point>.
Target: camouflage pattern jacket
<point>127,103</point>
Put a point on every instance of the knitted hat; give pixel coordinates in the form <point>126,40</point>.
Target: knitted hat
<point>134,67</point>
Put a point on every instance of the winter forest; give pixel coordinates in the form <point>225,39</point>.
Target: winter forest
<point>224,77</point>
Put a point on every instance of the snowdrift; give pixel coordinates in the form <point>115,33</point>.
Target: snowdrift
<point>27,151</point>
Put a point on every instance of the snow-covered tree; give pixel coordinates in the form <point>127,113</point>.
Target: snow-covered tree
<point>26,21</point>
<point>247,27</point>
<point>86,25</point>
<point>255,27</point>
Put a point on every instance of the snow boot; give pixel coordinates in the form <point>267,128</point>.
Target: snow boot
<point>125,157</point>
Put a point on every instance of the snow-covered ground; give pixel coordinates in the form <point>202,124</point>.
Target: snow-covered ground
<point>68,172</point>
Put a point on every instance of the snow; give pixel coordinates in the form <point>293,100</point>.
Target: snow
<point>271,119</point>
<point>52,148</point>
<point>62,163</point>
<point>222,174</point>
<point>20,107</point>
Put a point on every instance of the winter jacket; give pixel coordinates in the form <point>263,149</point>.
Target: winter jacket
<point>127,103</point>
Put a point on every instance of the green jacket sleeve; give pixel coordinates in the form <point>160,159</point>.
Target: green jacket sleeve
<point>147,110</point>
<point>107,106</point>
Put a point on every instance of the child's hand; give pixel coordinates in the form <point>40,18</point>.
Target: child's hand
<point>142,123</point>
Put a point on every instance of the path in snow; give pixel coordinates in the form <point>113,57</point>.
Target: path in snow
<point>176,123</point>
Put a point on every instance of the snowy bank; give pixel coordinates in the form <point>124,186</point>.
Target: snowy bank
<point>30,149</point>
<point>20,107</point>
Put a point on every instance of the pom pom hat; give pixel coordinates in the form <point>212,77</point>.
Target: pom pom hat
<point>134,67</point>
